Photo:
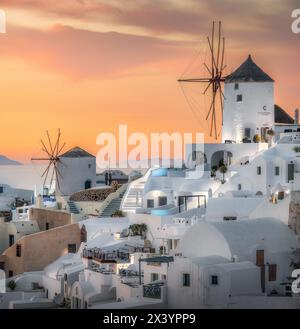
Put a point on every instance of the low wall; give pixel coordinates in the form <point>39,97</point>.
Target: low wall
<point>54,218</point>
<point>40,249</point>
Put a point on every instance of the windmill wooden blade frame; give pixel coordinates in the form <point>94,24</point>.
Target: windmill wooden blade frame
<point>52,152</point>
<point>215,78</point>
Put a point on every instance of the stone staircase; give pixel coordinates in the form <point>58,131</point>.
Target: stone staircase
<point>72,207</point>
<point>133,196</point>
<point>114,205</point>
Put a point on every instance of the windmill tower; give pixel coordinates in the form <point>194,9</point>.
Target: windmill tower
<point>72,171</point>
<point>249,104</point>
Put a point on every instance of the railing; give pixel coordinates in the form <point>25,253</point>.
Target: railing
<point>101,255</point>
<point>152,290</point>
<point>111,197</point>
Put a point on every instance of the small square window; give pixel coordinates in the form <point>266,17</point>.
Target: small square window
<point>277,171</point>
<point>214,280</point>
<point>150,203</point>
<point>186,280</point>
<point>72,248</point>
<point>154,277</point>
<point>239,98</point>
<point>236,86</point>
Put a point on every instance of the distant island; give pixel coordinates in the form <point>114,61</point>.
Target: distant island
<point>5,161</point>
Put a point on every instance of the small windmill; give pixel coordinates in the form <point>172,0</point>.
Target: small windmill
<point>52,151</point>
<point>214,78</point>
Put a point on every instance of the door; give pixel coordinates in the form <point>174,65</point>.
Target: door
<point>291,170</point>
<point>87,184</point>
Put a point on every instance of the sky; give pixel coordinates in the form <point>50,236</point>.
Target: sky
<point>86,66</point>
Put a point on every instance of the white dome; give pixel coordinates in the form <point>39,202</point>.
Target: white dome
<point>237,238</point>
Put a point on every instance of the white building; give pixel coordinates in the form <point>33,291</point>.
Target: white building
<point>77,170</point>
<point>249,103</point>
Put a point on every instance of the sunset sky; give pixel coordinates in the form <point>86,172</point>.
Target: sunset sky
<point>86,66</point>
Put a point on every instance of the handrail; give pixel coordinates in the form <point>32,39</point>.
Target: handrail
<point>111,197</point>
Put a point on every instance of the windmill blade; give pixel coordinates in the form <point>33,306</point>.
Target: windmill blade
<point>64,144</point>
<point>49,140</point>
<point>219,44</point>
<point>209,71</point>
<point>57,144</point>
<point>223,54</point>
<point>52,177</point>
<point>214,65</point>
<point>45,149</point>
<point>47,168</point>
<point>47,172</point>
<point>204,92</point>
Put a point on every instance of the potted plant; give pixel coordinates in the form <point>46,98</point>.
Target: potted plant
<point>256,138</point>
<point>223,170</point>
<point>213,171</point>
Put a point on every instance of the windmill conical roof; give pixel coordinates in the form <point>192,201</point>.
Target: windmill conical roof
<point>76,152</point>
<point>248,72</point>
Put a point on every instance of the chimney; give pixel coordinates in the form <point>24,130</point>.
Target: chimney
<point>296,117</point>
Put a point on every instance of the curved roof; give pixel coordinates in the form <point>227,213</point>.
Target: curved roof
<point>237,238</point>
<point>248,72</point>
<point>76,152</point>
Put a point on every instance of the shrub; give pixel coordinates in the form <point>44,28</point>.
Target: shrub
<point>118,213</point>
<point>297,149</point>
<point>12,285</point>
<point>256,138</point>
<point>271,132</point>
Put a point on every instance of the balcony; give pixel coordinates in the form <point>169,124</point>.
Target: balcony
<point>153,290</point>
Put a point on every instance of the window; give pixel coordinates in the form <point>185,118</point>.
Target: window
<point>47,226</point>
<point>10,274</point>
<point>150,203</point>
<point>247,132</point>
<point>154,277</point>
<point>162,200</point>
<point>229,218</point>
<point>186,280</point>
<point>260,257</point>
<point>18,250</point>
<point>90,166</point>
<point>11,239</point>
<point>258,170</point>
<point>164,277</point>
<point>1,189</point>
<point>277,171</point>
<point>214,280</point>
<point>236,86</point>
<point>272,272</point>
<point>291,169</point>
<point>239,187</point>
<point>72,248</point>
<point>239,98</point>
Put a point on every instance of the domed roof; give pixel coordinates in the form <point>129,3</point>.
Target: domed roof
<point>236,238</point>
<point>248,72</point>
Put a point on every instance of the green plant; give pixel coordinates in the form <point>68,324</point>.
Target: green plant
<point>213,171</point>
<point>271,132</point>
<point>297,149</point>
<point>118,213</point>
<point>12,285</point>
<point>245,140</point>
<point>223,170</point>
<point>138,229</point>
<point>256,138</point>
